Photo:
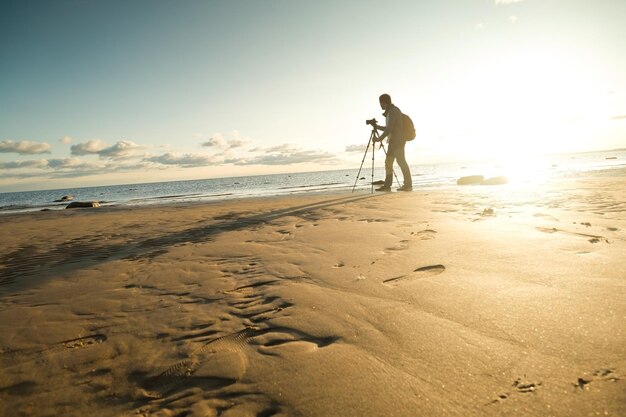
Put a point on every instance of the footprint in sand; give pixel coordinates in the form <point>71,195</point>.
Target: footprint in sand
<point>220,364</point>
<point>525,387</point>
<point>422,272</point>
<point>226,350</point>
<point>427,234</point>
<point>223,361</point>
<point>251,288</point>
<point>210,373</point>
<point>284,233</point>
<point>9,357</point>
<point>374,220</point>
<point>518,386</point>
<point>402,245</point>
<point>605,374</point>
<point>83,342</point>
<point>547,216</point>
<point>590,238</point>
<point>277,341</point>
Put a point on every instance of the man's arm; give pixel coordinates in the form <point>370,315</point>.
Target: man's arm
<point>381,128</point>
<point>391,122</point>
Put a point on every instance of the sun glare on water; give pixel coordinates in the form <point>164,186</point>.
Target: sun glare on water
<point>531,171</point>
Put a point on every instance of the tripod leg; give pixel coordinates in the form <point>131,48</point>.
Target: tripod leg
<point>361,167</point>
<point>373,153</point>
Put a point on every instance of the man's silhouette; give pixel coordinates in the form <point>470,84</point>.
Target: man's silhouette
<point>395,151</point>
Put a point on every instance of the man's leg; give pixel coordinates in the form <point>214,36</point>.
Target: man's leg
<point>389,167</point>
<point>406,172</point>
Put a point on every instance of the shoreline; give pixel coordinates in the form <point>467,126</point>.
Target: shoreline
<point>424,176</point>
<point>158,201</point>
<point>468,301</point>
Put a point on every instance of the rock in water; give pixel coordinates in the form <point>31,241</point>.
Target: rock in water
<point>83,204</point>
<point>68,197</point>
<point>470,180</point>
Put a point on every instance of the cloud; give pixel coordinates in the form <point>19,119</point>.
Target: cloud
<point>71,163</point>
<point>122,149</point>
<point>53,168</point>
<point>216,141</point>
<point>282,148</point>
<point>513,19</point>
<point>39,163</point>
<point>123,156</point>
<point>186,160</point>
<point>279,148</point>
<point>285,155</point>
<point>355,148</point>
<point>90,147</point>
<point>19,174</point>
<point>65,140</point>
<point>506,2</point>
<point>226,141</point>
<point>235,140</point>
<point>60,163</point>
<point>237,143</point>
<point>75,167</point>
<point>24,147</point>
<point>623,116</point>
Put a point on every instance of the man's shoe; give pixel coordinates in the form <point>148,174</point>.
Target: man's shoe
<point>383,188</point>
<point>405,188</point>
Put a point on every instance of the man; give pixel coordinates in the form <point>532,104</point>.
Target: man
<point>393,131</point>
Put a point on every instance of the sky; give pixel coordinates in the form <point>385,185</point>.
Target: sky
<point>130,91</point>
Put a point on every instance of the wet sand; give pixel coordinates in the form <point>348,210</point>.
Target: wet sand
<point>460,301</point>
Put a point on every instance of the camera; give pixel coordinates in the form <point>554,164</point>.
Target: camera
<point>371,122</point>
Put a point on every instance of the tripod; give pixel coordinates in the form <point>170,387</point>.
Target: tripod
<point>372,141</point>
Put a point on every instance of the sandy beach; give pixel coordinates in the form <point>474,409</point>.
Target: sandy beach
<point>451,301</point>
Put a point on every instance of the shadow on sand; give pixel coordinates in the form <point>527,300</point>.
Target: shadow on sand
<point>31,264</point>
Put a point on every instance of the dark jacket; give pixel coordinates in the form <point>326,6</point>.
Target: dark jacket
<point>393,127</point>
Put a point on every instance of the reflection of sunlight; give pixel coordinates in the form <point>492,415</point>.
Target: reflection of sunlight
<point>527,171</point>
<point>524,173</point>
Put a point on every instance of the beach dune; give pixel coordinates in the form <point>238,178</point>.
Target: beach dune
<point>460,301</point>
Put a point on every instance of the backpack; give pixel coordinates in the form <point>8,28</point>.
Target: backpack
<point>408,130</point>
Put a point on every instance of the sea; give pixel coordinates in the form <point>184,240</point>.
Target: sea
<point>358,179</point>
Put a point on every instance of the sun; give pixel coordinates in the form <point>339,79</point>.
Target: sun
<point>522,103</point>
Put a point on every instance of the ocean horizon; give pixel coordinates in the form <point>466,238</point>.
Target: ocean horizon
<point>215,189</point>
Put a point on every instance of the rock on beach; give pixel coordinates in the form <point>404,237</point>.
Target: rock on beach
<point>480,180</point>
<point>83,204</point>
<point>470,180</point>
<point>495,181</point>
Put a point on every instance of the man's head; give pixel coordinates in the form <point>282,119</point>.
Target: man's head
<point>385,101</point>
